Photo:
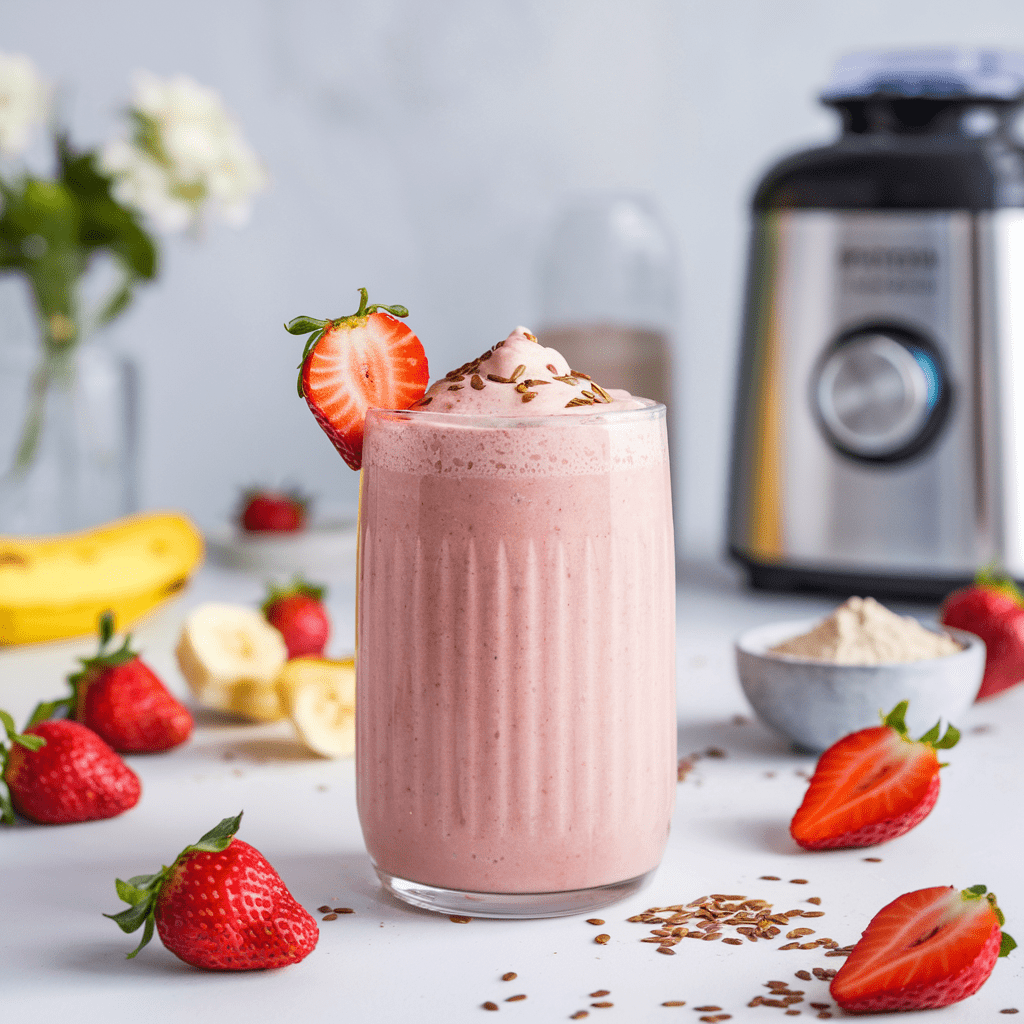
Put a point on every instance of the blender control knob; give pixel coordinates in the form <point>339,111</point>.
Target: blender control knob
<point>878,394</point>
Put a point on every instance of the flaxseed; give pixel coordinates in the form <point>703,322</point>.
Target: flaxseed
<point>515,999</point>
<point>594,920</point>
<point>329,917</point>
<point>509,976</point>
<point>490,1006</point>
<point>600,992</point>
<point>459,918</point>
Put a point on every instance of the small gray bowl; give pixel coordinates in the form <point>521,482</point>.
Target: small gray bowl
<point>815,703</point>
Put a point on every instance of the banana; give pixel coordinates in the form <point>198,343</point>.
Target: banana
<point>321,699</point>
<point>52,588</point>
<point>230,657</point>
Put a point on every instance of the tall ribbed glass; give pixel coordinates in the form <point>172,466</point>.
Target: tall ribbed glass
<point>515,668</point>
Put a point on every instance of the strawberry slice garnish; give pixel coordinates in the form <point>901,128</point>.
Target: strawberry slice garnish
<point>926,949</point>
<point>871,786</point>
<point>992,608</point>
<point>369,360</point>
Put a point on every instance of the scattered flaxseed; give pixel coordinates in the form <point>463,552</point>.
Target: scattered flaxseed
<point>603,938</point>
<point>685,766</point>
<point>733,942</point>
<point>454,387</point>
<point>601,391</point>
<point>459,918</point>
<point>813,913</point>
<point>600,992</point>
<point>579,1015</point>
<point>329,917</point>
<point>823,973</point>
<point>517,372</point>
<point>476,383</point>
<point>804,976</point>
<point>498,379</point>
<point>515,999</point>
<point>1010,1009</point>
<point>791,945</point>
<point>798,881</point>
<point>822,1006</point>
<point>756,1001</point>
<point>873,860</point>
<point>674,1002</point>
<point>594,920</point>
<point>529,396</point>
<point>344,910</point>
<point>427,400</point>
<point>509,976</point>
<point>796,933</point>
<point>838,952</point>
<point>808,945</point>
<point>715,752</point>
<point>792,1013</point>
<point>552,369</point>
<point>604,1005</point>
<point>666,950</point>
<point>323,910</point>
<point>716,1017</point>
<point>824,1015</point>
<point>706,1009</point>
<point>576,373</point>
<point>770,878</point>
<point>816,900</point>
<point>490,1006</point>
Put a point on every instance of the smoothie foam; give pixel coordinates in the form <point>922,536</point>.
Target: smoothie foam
<point>516,726</point>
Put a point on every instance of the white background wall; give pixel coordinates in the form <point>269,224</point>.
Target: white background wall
<point>419,149</point>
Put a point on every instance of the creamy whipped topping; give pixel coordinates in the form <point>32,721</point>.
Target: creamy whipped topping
<point>520,377</point>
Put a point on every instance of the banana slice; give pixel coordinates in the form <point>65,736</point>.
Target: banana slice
<point>321,699</point>
<point>230,657</point>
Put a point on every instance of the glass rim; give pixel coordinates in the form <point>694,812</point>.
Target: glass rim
<point>651,410</point>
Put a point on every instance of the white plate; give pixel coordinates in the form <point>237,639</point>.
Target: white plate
<point>324,549</point>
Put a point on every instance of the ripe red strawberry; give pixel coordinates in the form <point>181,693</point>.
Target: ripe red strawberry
<point>298,614</point>
<point>926,949</point>
<point>71,775</point>
<point>871,786</point>
<point>993,608</point>
<point>267,511</point>
<point>220,905</point>
<point>121,699</point>
<point>368,360</point>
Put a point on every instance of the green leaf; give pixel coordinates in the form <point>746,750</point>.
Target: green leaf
<point>147,934</point>
<point>896,718</point>
<point>8,722</point>
<point>932,734</point>
<point>45,710</point>
<point>975,891</point>
<point>6,807</point>
<point>951,739</point>
<point>1007,945</point>
<point>148,881</point>
<point>29,742</point>
<point>106,628</point>
<point>133,894</point>
<point>131,920</point>
<point>219,837</point>
<point>304,324</point>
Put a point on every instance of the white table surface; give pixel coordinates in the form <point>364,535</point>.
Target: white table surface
<point>388,961</point>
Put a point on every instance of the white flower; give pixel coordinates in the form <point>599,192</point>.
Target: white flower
<point>187,156</point>
<point>24,102</point>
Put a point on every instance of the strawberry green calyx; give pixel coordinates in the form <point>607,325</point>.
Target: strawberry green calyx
<point>91,667</point>
<point>993,578</point>
<point>315,328</point>
<point>12,736</point>
<point>977,892</point>
<point>317,591</point>
<point>896,720</point>
<point>142,890</point>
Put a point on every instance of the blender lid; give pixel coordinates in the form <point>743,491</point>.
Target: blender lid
<point>939,74</point>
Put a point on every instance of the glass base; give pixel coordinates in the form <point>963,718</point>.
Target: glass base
<point>510,905</point>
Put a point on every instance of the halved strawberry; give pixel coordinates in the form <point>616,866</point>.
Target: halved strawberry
<point>926,949</point>
<point>871,786</point>
<point>368,360</point>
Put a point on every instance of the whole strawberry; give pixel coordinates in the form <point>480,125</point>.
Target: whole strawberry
<point>297,612</point>
<point>221,906</point>
<point>268,511</point>
<point>60,772</point>
<point>368,360</point>
<point>993,608</point>
<point>119,697</point>
<point>926,949</point>
<point>871,786</point>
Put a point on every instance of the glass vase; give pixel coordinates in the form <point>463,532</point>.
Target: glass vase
<point>68,436</point>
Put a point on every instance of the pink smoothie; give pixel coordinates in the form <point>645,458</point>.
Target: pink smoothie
<point>516,685</point>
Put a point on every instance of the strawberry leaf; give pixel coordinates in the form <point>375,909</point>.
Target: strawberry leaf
<point>932,734</point>
<point>993,578</point>
<point>45,710</point>
<point>896,719</point>
<point>1007,945</point>
<point>304,324</point>
<point>8,722</point>
<point>219,837</point>
<point>951,739</point>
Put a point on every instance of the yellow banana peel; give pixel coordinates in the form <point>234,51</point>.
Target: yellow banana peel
<point>53,588</point>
